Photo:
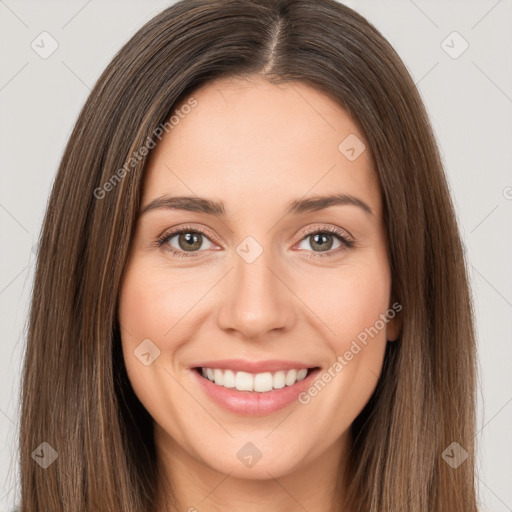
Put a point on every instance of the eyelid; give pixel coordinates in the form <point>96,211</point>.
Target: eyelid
<point>328,229</point>
<point>346,240</point>
<point>171,233</point>
<point>343,235</point>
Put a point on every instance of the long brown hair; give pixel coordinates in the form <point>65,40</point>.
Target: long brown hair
<point>76,395</point>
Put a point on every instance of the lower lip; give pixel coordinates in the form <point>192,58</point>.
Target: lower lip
<point>254,403</point>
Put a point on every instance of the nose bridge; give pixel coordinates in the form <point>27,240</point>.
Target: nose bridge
<point>254,299</point>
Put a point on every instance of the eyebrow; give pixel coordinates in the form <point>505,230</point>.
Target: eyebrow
<point>216,208</point>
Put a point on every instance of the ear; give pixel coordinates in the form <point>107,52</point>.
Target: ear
<point>393,328</point>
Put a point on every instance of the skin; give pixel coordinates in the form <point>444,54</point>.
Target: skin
<point>256,147</point>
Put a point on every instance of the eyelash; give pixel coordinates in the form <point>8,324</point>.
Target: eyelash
<point>347,242</point>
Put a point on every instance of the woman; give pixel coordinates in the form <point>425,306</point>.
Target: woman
<point>251,289</point>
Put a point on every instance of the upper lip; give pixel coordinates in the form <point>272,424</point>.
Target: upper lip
<point>241,365</point>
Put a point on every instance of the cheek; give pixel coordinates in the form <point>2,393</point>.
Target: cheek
<point>149,308</point>
<point>350,301</point>
<point>349,306</point>
<point>152,304</point>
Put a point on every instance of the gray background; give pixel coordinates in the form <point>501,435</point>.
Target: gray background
<point>469,99</point>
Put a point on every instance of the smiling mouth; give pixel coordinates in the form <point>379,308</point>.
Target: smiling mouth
<point>255,382</point>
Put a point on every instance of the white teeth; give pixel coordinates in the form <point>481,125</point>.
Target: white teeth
<point>260,382</point>
<point>228,379</point>
<point>278,381</point>
<point>291,377</point>
<point>263,382</point>
<point>217,375</point>
<point>301,374</point>
<point>243,381</point>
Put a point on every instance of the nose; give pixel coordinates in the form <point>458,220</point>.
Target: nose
<point>255,299</point>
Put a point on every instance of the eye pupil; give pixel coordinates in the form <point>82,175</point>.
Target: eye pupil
<point>323,237</point>
<point>189,241</point>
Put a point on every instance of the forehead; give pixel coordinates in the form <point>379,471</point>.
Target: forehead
<point>246,141</point>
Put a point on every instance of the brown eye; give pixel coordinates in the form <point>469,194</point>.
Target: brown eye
<point>185,241</point>
<point>321,241</point>
<point>190,241</point>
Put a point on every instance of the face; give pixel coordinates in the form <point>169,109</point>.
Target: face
<point>254,281</point>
